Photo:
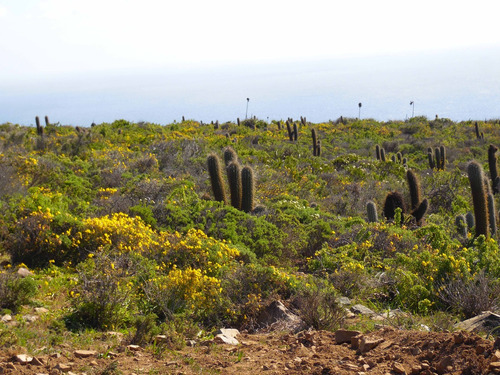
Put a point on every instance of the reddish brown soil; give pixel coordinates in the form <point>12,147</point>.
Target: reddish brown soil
<point>311,352</point>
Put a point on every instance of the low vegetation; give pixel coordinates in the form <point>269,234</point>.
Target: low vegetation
<point>146,229</point>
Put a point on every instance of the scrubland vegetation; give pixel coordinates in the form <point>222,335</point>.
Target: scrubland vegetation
<point>124,227</point>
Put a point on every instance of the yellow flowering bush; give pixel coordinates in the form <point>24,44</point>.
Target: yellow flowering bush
<point>194,250</point>
<point>119,231</point>
<point>183,291</point>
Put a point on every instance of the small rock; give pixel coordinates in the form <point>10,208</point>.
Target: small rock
<point>24,272</point>
<point>191,343</point>
<point>23,358</point>
<point>55,355</point>
<point>368,344</point>
<point>30,318</point>
<point>398,368</point>
<point>37,362</point>
<point>223,339</point>
<point>494,366</point>
<point>84,353</point>
<point>362,310</point>
<point>482,322</point>
<point>343,301</point>
<point>229,332</point>
<point>41,310</point>
<point>63,367</point>
<point>161,339</point>
<point>133,348</point>
<point>416,369</point>
<point>385,344</point>
<point>93,363</point>
<point>343,335</point>
<point>6,318</point>
<point>496,355</point>
<point>355,341</point>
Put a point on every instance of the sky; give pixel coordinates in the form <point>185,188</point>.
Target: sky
<point>99,60</point>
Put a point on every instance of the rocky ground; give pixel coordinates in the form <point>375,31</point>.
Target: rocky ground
<point>385,351</point>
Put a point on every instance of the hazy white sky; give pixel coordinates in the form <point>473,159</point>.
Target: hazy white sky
<point>98,60</point>
<point>66,36</point>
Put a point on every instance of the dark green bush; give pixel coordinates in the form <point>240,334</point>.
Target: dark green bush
<point>15,291</point>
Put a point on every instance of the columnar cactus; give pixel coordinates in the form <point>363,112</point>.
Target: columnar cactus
<point>316,143</point>
<point>400,157</point>
<point>247,189</point>
<point>430,156</point>
<point>437,157</point>
<point>461,225</point>
<point>234,179</point>
<point>47,123</point>
<point>469,219</point>
<point>377,152</point>
<point>214,170</point>
<point>420,211</point>
<point>478,136</point>
<point>39,128</point>
<point>414,186</point>
<point>371,210</point>
<point>442,154</point>
<point>492,162</point>
<point>382,154</point>
<point>290,131</point>
<point>492,214</point>
<point>295,131</point>
<point>479,199</point>
<point>229,155</point>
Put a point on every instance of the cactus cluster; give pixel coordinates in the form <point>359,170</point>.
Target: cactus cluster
<point>240,180</point>
<point>39,128</point>
<point>316,143</point>
<point>417,208</point>
<point>478,135</point>
<point>437,158</point>
<point>380,153</point>
<point>292,130</point>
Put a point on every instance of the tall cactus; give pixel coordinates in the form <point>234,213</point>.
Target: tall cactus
<point>377,152</point>
<point>469,219</point>
<point>295,131</point>
<point>476,180</point>
<point>430,156</point>
<point>247,189</point>
<point>234,179</point>
<point>382,154</point>
<point>315,142</point>
<point>492,162</point>
<point>442,154</point>
<point>478,136</point>
<point>492,214</point>
<point>371,210</point>
<point>414,186</point>
<point>437,157</point>
<point>47,123</point>
<point>461,225</point>
<point>419,212</point>
<point>229,155</point>
<point>214,171</point>
<point>290,131</point>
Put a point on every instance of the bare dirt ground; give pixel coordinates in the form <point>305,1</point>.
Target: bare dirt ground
<point>386,351</point>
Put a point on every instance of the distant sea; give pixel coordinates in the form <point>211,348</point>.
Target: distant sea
<point>460,85</point>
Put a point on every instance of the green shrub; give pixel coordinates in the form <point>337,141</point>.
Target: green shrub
<point>15,291</point>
